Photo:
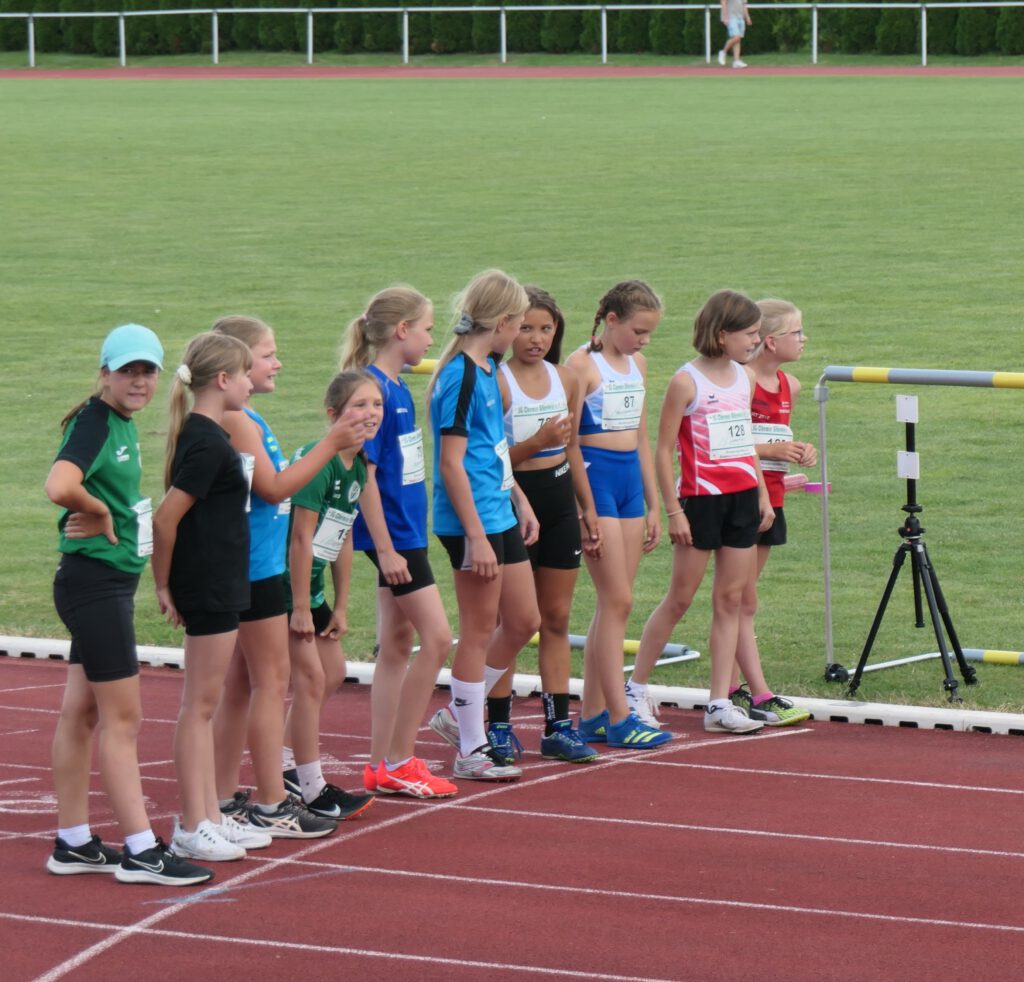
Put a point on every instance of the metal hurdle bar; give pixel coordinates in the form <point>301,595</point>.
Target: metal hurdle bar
<point>882,376</point>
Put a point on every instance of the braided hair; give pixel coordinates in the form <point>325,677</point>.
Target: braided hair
<point>624,299</point>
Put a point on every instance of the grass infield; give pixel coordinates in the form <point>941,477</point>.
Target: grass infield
<point>883,207</point>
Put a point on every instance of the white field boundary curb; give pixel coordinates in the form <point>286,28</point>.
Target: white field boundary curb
<point>829,710</point>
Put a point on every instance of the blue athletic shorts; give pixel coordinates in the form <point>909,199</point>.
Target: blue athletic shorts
<point>615,481</point>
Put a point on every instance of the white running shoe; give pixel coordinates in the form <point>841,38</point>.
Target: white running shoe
<point>729,719</point>
<point>484,764</point>
<point>446,726</point>
<point>721,58</point>
<point>739,64</point>
<point>242,835</point>
<point>205,843</point>
<point>642,704</point>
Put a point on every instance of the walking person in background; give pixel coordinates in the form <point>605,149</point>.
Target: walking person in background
<point>105,538</point>
<point>736,17</point>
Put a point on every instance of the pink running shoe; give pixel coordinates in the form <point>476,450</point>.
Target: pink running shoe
<point>370,778</point>
<point>413,779</point>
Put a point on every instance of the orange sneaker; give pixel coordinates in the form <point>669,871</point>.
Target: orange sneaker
<point>413,779</point>
<point>370,778</point>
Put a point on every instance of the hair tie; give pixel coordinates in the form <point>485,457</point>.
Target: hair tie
<point>184,374</point>
<point>464,324</point>
<point>365,316</point>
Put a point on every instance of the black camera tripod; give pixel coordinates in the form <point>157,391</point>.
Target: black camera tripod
<point>924,574</point>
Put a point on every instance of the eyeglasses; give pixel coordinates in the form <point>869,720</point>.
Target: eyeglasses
<point>799,335</point>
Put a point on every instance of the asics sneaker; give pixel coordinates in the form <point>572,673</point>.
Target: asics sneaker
<point>506,744</point>
<point>370,778</point>
<point>93,857</point>
<point>564,743</point>
<point>204,843</point>
<point>291,781</point>
<point>291,820</point>
<point>238,806</point>
<point>633,734</point>
<point>729,719</point>
<point>160,865</point>
<point>775,711</point>
<point>595,729</point>
<point>332,802</point>
<point>414,780</point>
<point>642,705</point>
<point>242,834</point>
<point>484,764</point>
<point>446,726</point>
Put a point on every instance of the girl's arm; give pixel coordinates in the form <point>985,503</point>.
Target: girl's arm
<point>64,487</point>
<point>300,569</point>
<point>273,485</point>
<point>393,566</point>
<point>479,553</point>
<point>764,504</point>
<point>551,434</point>
<point>166,520</point>
<point>581,485</point>
<point>809,457</point>
<point>341,577</point>
<point>652,522</point>
<point>681,392</point>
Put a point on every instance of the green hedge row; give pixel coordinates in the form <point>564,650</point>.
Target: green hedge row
<point>971,30</point>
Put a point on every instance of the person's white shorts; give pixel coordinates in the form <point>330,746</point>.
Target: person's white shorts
<point>737,27</point>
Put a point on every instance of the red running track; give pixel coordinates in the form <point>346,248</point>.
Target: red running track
<point>822,852</point>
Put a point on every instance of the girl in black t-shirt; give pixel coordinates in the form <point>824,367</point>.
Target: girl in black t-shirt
<point>201,573</point>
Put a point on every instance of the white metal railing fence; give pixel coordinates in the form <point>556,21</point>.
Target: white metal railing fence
<point>311,12</point>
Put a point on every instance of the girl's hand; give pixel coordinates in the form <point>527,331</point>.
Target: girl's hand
<point>809,455</point>
<point>346,431</point>
<point>590,534</point>
<point>679,532</point>
<point>481,559</point>
<point>337,626</point>
<point>166,603</point>
<point>789,450</point>
<point>652,531</point>
<point>393,567</point>
<point>82,525</point>
<point>767,512</point>
<point>556,432</point>
<point>301,623</point>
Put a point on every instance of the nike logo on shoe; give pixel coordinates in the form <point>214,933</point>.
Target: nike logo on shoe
<point>99,860</point>
<point>157,867</point>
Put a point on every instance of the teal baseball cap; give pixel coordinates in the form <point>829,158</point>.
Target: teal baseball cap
<point>128,343</point>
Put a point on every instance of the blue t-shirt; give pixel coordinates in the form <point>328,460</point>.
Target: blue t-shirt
<point>397,453</point>
<point>466,402</point>
<point>268,524</point>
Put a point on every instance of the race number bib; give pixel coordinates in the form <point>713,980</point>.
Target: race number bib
<point>501,449</point>
<point>773,433</point>
<point>729,435</point>
<point>527,420</point>
<point>413,468</point>
<point>248,466</point>
<point>331,535</point>
<point>623,405</point>
<point>144,526</point>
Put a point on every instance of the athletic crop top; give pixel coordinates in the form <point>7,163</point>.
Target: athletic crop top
<point>617,403</point>
<point>716,447</point>
<point>268,523</point>
<point>527,415</point>
<point>397,452</point>
<point>770,412</point>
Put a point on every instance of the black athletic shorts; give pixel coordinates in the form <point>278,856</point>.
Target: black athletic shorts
<point>718,520</point>
<point>97,605</point>
<point>266,599</point>
<point>419,569</point>
<point>553,499</point>
<point>508,547</point>
<point>776,535</point>
<point>201,623</point>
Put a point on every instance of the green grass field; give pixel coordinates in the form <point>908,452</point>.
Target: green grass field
<point>886,208</point>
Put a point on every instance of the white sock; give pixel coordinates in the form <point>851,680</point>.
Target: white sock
<point>718,704</point>
<point>640,688</point>
<point>139,841</point>
<point>311,780</point>
<point>76,836</point>
<point>396,764</point>
<point>287,759</point>
<point>467,706</point>
<point>492,676</point>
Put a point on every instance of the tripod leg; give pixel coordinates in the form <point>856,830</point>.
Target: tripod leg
<point>919,556</point>
<point>918,608</point>
<point>970,676</point>
<point>897,565</point>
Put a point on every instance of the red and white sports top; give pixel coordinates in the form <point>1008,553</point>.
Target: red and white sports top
<point>716,446</point>
<point>770,412</point>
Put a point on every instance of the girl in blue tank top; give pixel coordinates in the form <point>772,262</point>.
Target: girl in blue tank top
<point>391,529</point>
<point>257,682</point>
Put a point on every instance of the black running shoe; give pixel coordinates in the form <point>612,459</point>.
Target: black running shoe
<point>332,802</point>
<point>291,781</point>
<point>160,865</point>
<point>238,808</point>
<point>93,857</point>
<point>291,820</point>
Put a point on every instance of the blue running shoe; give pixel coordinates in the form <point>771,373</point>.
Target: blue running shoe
<point>634,734</point>
<point>504,741</point>
<point>564,743</point>
<point>595,729</point>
